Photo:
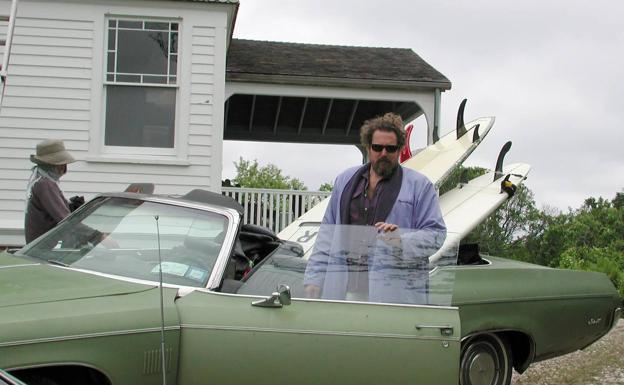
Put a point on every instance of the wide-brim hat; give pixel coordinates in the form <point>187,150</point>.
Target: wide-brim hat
<point>52,152</point>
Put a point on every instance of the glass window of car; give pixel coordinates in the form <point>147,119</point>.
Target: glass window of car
<point>141,84</point>
<point>358,264</point>
<point>126,237</point>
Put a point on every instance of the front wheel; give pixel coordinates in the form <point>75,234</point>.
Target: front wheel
<point>485,360</point>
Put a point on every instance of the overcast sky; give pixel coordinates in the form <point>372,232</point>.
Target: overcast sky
<point>552,72</point>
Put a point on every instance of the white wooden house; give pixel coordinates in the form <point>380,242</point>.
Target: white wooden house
<point>146,91</point>
<point>134,88</point>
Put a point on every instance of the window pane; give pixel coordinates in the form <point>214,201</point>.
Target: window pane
<point>157,26</point>
<point>140,116</point>
<point>129,78</point>
<point>174,26</point>
<point>112,23</point>
<point>111,39</point>
<point>155,79</point>
<point>174,42</point>
<point>130,24</point>
<point>142,52</point>
<point>173,64</point>
<point>111,62</point>
<point>110,78</point>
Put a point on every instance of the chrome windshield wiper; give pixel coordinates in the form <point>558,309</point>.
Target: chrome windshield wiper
<point>57,262</point>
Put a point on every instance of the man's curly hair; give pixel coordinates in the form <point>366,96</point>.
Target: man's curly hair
<point>389,122</point>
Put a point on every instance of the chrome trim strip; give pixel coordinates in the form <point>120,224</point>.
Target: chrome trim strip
<point>315,332</point>
<point>544,298</point>
<point>87,335</point>
<point>253,297</point>
<point>226,250</point>
<point>20,265</point>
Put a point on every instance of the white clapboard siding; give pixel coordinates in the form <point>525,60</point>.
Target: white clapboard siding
<point>55,90</point>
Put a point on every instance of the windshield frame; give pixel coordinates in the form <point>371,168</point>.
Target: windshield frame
<point>233,223</point>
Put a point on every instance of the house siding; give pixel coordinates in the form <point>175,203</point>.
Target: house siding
<point>55,90</point>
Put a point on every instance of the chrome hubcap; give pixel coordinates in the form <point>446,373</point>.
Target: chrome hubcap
<point>482,369</point>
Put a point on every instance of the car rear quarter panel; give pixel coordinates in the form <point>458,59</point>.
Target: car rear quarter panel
<point>561,310</point>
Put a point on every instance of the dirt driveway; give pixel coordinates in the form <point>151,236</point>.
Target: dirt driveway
<point>600,364</point>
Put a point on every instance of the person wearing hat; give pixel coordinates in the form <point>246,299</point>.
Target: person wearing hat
<point>45,204</point>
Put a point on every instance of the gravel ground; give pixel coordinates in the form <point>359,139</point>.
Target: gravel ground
<point>600,364</point>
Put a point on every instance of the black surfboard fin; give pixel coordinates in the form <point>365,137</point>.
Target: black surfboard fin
<point>461,127</point>
<point>475,133</point>
<point>436,135</point>
<point>499,162</point>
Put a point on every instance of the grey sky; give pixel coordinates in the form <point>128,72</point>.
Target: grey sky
<point>550,71</point>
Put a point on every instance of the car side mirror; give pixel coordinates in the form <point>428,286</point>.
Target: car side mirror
<point>279,298</point>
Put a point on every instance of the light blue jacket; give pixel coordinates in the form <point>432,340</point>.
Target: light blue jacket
<point>392,278</point>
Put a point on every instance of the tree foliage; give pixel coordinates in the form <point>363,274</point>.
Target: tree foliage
<point>250,174</point>
<point>326,187</point>
<point>588,238</point>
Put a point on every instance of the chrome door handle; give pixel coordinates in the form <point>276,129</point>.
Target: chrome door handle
<point>445,330</point>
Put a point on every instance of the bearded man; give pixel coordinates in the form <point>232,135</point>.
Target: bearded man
<point>390,199</point>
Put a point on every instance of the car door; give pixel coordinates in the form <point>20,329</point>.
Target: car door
<point>227,340</point>
<point>248,338</point>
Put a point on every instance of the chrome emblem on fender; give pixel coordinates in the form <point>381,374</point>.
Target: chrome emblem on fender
<point>594,321</point>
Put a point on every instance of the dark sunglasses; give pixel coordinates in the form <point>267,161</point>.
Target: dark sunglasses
<point>390,148</point>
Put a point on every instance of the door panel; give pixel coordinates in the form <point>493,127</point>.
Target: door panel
<point>226,340</point>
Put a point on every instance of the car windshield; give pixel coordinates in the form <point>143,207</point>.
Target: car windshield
<point>126,237</point>
<point>358,264</point>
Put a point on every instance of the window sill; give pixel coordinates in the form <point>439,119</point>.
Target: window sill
<point>138,160</point>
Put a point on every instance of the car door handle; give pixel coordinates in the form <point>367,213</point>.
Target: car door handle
<point>279,298</point>
<point>445,330</point>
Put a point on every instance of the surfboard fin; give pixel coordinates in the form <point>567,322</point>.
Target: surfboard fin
<point>461,127</point>
<point>501,158</point>
<point>475,133</point>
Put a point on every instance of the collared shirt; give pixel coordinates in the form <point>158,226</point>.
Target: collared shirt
<point>362,207</point>
<point>362,212</point>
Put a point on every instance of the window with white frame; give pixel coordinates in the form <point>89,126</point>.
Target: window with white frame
<point>141,83</point>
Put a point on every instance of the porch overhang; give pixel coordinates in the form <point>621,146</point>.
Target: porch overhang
<point>285,92</point>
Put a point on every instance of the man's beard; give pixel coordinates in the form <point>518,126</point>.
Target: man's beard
<point>384,167</point>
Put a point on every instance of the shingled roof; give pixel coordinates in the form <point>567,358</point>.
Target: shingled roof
<point>329,65</point>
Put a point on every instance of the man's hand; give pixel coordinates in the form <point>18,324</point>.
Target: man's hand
<point>384,227</point>
<point>312,291</point>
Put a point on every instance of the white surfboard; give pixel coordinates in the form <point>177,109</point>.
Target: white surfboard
<point>469,204</point>
<point>438,160</point>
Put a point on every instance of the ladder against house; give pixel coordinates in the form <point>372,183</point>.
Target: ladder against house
<point>6,43</point>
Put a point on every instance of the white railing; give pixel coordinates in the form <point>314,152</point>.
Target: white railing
<point>273,208</point>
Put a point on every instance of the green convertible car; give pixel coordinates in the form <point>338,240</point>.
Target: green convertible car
<point>131,280</point>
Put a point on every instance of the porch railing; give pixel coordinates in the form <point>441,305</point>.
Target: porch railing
<point>273,208</point>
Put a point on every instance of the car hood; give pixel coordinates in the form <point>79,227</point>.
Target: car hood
<point>27,281</point>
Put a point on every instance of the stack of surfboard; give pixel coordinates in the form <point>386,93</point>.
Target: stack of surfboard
<point>465,206</point>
